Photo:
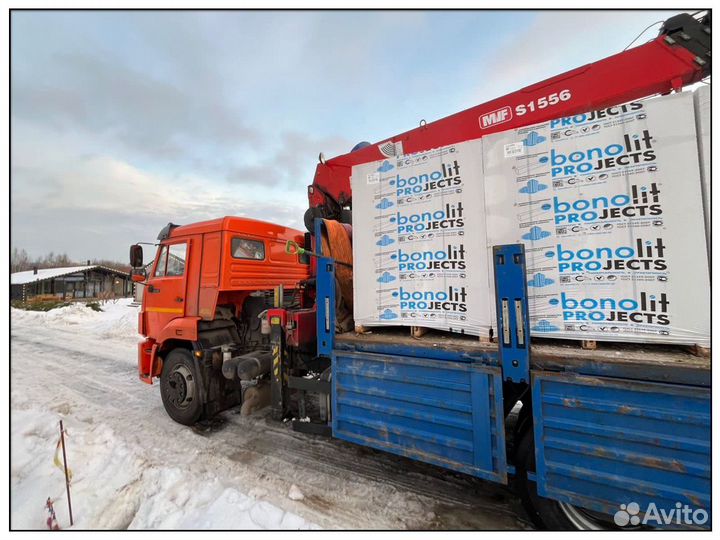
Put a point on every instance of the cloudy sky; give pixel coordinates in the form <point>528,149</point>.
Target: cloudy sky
<point>123,121</point>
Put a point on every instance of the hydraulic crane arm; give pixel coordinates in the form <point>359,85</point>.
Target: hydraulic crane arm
<point>679,56</point>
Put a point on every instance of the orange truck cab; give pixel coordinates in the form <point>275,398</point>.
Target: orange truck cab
<point>205,300</point>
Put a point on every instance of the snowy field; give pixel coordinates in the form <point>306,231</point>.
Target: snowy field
<point>135,468</point>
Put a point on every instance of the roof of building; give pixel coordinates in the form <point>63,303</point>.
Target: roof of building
<point>29,276</point>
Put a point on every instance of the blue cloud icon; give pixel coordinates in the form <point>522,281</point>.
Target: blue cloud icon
<point>539,280</point>
<point>388,315</point>
<point>384,204</point>
<point>546,206</point>
<point>385,240</point>
<point>386,278</point>
<point>533,186</point>
<point>543,159</point>
<point>544,326</point>
<point>535,233</point>
<point>553,301</point>
<point>533,138</point>
<point>385,167</point>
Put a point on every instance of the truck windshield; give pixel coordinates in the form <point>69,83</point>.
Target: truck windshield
<point>243,248</point>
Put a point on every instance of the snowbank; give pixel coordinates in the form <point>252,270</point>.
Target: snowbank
<point>117,319</point>
<point>115,487</point>
<point>132,467</point>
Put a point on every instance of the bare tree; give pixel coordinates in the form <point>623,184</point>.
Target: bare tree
<point>19,260</point>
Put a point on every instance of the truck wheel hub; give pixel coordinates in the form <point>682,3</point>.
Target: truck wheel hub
<point>181,387</point>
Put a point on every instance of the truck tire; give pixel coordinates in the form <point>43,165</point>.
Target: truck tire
<point>178,389</point>
<point>547,513</point>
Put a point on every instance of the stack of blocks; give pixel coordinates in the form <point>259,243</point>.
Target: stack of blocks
<point>609,205</point>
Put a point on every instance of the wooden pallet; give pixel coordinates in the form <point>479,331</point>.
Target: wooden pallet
<point>416,332</point>
<point>584,344</point>
<point>699,351</point>
<point>419,332</point>
<point>593,345</point>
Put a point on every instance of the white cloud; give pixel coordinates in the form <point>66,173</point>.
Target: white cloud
<point>93,205</point>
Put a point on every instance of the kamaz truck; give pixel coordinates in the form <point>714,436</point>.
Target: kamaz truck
<point>591,439</point>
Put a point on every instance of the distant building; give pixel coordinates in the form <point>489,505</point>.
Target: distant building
<point>89,281</point>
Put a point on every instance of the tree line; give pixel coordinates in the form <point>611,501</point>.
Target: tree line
<point>21,261</point>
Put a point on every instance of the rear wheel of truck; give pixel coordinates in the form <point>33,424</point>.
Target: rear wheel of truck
<point>178,388</point>
<point>547,513</point>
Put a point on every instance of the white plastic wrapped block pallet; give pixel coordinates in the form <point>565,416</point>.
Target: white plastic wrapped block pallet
<point>419,245</point>
<point>609,207</point>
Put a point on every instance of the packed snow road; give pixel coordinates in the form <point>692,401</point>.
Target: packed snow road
<point>133,467</point>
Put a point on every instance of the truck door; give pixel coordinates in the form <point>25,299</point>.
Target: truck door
<point>166,287</point>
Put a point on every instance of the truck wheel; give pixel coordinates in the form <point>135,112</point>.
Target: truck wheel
<point>547,513</point>
<point>180,394</point>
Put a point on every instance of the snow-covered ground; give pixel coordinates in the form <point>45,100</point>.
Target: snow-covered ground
<point>135,468</point>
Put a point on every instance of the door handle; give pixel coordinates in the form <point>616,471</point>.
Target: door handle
<point>152,289</point>
<point>179,299</point>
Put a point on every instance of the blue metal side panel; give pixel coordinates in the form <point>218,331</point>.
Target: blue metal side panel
<point>601,442</point>
<point>441,412</point>
<point>325,301</point>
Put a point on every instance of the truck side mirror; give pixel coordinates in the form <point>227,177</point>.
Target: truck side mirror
<point>138,275</point>
<point>136,256</point>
